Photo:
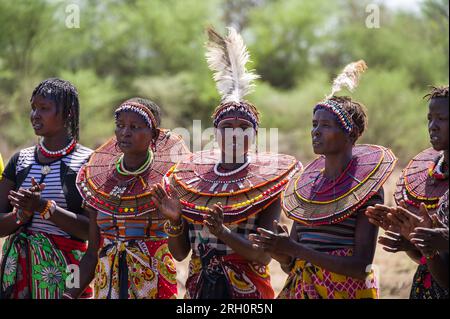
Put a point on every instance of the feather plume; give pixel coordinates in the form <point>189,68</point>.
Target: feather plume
<point>349,77</point>
<point>227,57</point>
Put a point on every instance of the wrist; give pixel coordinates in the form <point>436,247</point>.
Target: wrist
<point>223,232</point>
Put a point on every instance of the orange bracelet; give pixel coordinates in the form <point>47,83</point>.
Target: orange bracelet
<point>44,213</point>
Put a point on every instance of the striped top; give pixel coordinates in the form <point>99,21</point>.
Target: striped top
<point>57,188</point>
<point>199,234</point>
<point>326,238</point>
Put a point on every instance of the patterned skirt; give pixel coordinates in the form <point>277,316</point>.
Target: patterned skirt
<point>241,279</point>
<point>307,281</point>
<point>424,286</point>
<point>135,269</point>
<point>37,265</point>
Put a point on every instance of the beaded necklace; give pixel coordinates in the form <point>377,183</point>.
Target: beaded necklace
<point>55,154</point>
<point>237,170</point>
<point>436,170</point>
<point>120,167</point>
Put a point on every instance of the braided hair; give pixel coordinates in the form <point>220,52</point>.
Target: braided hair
<point>437,92</point>
<point>65,95</point>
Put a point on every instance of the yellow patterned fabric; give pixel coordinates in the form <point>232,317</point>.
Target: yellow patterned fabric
<point>135,270</point>
<point>307,281</point>
<point>2,166</point>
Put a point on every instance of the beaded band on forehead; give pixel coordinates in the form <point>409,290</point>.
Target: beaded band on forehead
<point>138,108</point>
<point>344,119</point>
<point>221,114</point>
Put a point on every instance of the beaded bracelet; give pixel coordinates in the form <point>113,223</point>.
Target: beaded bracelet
<point>18,214</point>
<point>173,230</point>
<point>49,209</point>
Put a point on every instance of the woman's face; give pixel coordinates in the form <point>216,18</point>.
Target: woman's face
<point>132,133</point>
<point>327,136</point>
<point>45,117</point>
<point>235,136</point>
<point>438,123</point>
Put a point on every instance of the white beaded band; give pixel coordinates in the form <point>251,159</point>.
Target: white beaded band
<point>237,170</point>
<point>132,108</point>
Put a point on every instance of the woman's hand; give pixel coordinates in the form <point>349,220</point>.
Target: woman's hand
<point>167,204</point>
<point>429,240</point>
<point>393,242</point>
<point>29,200</point>
<point>406,222</point>
<point>214,220</point>
<point>276,243</point>
<point>378,215</point>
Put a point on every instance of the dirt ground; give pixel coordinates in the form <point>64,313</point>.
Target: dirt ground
<point>395,270</point>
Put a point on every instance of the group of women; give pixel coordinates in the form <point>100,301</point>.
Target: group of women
<point>122,213</point>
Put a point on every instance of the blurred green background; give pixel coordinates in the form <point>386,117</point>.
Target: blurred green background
<point>155,49</point>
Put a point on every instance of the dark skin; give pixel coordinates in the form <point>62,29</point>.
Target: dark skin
<point>133,138</point>
<point>419,236</point>
<point>47,121</point>
<point>170,207</point>
<point>331,141</point>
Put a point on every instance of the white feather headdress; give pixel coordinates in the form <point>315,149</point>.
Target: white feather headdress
<point>349,77</point>
<point>227,57</point>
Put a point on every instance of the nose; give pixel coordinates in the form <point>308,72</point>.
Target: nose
<point>433,126</point>
<point>315,132</point>
<point>125,132</point>
<point>34,115</point>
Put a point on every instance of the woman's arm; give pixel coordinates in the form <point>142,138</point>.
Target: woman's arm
<point>8,223</point>
<point>438,267</point>
<point>353,266</point>
<point>89,260</point>
<point>169,206</point>
<point>74,224</point>
<point>180,246</point>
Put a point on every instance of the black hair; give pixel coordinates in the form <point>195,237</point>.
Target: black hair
<point>437,92</point>
<point>65,95</point>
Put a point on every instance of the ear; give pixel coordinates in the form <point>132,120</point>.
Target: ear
<point>156,133</point>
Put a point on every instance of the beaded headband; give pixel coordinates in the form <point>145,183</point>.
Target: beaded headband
<point>138,108</point>
<point>344,119</point>
<point>246,114</point>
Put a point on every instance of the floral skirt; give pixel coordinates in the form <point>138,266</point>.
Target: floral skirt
<point>424,286</point>
<point>243,279</point>
<point>135,269</point>
<point>307,281</point>
<point>37,265</point>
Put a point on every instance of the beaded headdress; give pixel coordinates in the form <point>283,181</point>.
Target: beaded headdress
<point>139,109</point>
<point>348,78</point>
<point>227,57</point>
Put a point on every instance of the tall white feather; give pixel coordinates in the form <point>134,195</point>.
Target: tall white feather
<point>227,57</point>
<point>349,77</point>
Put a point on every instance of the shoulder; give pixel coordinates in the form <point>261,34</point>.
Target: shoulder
<point>23,158</point>
<point>78,157</point>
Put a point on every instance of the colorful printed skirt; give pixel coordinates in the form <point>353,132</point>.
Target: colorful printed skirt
<point>135,269</point>
<point>243,279</point>
<point>307,281</point>
<point>37,265</point>
<point>424,286</point>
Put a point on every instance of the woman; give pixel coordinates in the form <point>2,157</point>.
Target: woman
<point>2,166</point>
<point>216,199</point>
<point>128,254</point>
<point>47,228</point>
<point>419,189</point>
<point>332,244</point>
